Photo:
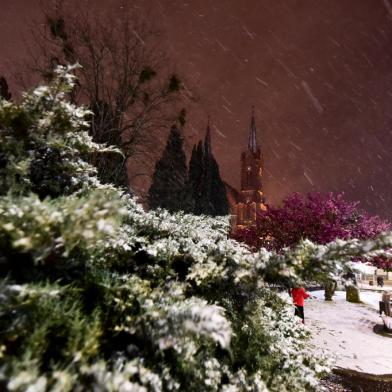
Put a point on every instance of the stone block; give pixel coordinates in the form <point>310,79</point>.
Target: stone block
<point>352,294</point>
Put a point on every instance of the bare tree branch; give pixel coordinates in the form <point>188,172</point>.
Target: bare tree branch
<point>124,78</point>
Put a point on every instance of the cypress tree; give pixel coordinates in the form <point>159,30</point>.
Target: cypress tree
<point>196,169</point>
<point>218,190</point>
<point>4,89</point>
<point>209,192</point>
<point>170,186</point>
<point>207,179</point>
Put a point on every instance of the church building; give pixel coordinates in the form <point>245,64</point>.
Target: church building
<point>249,201</point>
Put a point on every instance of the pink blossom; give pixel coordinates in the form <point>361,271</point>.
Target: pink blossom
<point>321,218</point>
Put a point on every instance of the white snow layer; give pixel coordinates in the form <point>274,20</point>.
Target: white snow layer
<point>345,330</point>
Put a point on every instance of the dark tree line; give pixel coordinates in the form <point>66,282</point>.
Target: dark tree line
<point>199,190</point>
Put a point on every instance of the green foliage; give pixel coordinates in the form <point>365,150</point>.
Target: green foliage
<point>101,295</point>
<point>43,140</point>
<point>57,227</point>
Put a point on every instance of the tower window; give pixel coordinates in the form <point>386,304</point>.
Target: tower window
<point>248,180</point>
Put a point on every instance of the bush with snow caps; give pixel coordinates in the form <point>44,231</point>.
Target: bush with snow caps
<point>101,295</point>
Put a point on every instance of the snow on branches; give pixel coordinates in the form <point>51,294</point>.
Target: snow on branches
<point>101,295</point>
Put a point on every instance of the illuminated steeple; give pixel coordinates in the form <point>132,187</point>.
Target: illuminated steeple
<point>252,140</point>
<point>251,198</point>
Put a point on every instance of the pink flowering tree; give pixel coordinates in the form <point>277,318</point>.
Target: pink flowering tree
<point>383,262</point>
<point>321,218</point>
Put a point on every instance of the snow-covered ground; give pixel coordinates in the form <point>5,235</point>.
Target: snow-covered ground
<point>345,330</point>
<point>370,298</point>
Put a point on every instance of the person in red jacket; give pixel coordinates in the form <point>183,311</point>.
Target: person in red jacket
<point>299,295</point>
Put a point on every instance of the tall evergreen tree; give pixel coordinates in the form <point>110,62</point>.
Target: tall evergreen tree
<point>207,179</point>
<point>170,186</point>
<point>218,190</point>
<point>4,89</point>
<point>208,189</point>
<point>196,169</point>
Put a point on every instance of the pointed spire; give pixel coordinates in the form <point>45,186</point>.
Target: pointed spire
<point>252,141</point>
<point>207,140</point>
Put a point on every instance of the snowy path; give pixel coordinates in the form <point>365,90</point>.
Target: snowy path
<point>346,331</point>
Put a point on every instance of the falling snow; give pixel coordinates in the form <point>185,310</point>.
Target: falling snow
<point>308,178</point>
<point>318,76</point>
<point>316,103</point>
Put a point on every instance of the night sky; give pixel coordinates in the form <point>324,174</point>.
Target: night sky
<point>319,74</point>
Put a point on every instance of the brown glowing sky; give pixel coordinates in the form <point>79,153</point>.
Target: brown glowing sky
<point>318,72</point>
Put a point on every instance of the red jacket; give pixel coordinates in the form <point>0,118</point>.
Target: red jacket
<point>299,295</point>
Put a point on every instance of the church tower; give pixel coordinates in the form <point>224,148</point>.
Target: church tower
<point>251,198</point>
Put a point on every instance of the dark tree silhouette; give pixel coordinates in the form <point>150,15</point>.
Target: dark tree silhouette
<point>208,189</point>
<point>4,90</point>
<point>196,169</point>
<point>169,188</point>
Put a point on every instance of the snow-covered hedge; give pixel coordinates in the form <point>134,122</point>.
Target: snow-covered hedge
<point>101,295</point>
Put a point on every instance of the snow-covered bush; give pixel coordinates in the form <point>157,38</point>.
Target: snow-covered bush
<point>101,295</point>
<point>43,140</point>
